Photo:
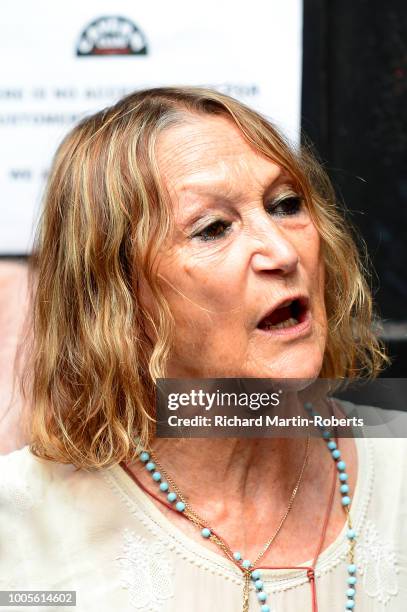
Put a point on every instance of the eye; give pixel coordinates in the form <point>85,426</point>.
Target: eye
<point>215,230</point>
<point>286,205</point>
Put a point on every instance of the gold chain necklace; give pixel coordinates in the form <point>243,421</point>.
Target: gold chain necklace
<point>216,539</point>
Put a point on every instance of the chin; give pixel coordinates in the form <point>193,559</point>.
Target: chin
<point>293,368</point>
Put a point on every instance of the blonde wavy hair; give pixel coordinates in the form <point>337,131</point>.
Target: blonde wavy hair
<point>92,366</point>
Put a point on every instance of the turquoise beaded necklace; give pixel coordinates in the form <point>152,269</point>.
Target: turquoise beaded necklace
<point>167,487</point>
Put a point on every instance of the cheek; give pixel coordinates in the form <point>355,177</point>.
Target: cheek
<point>318,264</point>
<point>316,273</point>
<point>309,251</point>
<point>204,285</point>
<point>203,299</point>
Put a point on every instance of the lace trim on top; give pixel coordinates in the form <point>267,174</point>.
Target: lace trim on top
<point>141,506</point>
<point>378,565</point>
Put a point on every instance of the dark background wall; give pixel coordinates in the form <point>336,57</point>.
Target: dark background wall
<point>354,109</point>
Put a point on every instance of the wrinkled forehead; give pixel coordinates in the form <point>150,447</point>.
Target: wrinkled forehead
<point>213,152</point>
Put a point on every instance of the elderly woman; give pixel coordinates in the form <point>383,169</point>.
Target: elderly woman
<point>182,237</point>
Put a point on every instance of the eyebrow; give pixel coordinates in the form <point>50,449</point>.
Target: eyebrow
<point>216,185</point>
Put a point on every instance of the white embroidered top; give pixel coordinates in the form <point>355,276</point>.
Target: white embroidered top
<point>98,534</point>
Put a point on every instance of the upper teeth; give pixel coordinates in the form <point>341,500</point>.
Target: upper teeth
<point>284,304</point>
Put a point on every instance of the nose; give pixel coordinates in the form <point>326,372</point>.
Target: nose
<point>273,251</point>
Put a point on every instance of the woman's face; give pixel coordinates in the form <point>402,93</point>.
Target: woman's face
<point>243,272</point>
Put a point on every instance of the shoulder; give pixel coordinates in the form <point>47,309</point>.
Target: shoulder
<point>25,479</point>
<point>48,488</point>
<point>44,502</point>
<point>23,464</point>
<point>383,463</point>
<point>390,463</point>
<point>376,422</point>
<point>382,444</point>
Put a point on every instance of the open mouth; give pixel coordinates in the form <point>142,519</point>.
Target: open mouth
<point>288,314</point>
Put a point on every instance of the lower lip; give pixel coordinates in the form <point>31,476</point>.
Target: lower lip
<point>296,331</point>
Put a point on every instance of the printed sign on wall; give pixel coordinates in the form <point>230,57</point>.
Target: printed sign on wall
<point>63,61</point>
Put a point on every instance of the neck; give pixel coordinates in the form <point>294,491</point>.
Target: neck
<point>212,473</point>
<point>212,469</point>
